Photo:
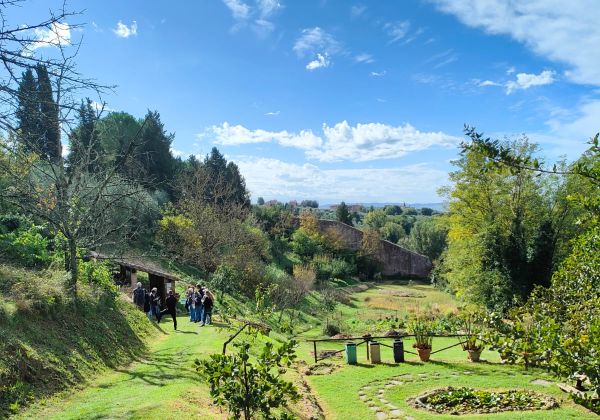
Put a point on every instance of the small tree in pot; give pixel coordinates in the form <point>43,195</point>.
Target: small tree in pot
<point>422,330</point>
<point>471,341</point>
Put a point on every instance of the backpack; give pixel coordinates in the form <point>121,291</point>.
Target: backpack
<point>198,299</point>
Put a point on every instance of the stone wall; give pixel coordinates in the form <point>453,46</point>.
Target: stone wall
<point>395,260</point>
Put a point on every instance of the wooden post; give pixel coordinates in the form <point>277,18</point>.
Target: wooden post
<point>315,350</point>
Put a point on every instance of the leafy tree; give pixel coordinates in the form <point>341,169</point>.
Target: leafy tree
<point>375,219</point>
<point>494,219</point>
<point>260,201</point>
<point>310,203</point>
<point>392,210</point>
<point>426,211</point>
<point>342,214</point>
<point>247,387</point>
<point>392,232</point>
<point>427,237</point>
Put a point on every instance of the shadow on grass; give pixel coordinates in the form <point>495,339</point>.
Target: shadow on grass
<point>162,368</point>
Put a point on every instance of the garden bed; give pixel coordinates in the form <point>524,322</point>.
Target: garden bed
<point>464,400</point>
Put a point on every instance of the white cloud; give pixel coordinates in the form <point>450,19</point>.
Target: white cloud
<point>124,31</point>
<point>378,73</point>
<point>372,141</point>
<point>357,10</point>
<point>569,132</point>
<point>488,83</point>
<point>364,58</point>
<point>527,80</point>
<point>272,178</point>
<point>58,34</point>
<point>239,9</point>
<point>256,16</point>
<point>321,61</point>
<point>316,40</point>
<point>340,142</point>
<point>268,7</point>
<point>272,113</point>
<point>511,70</point>
<point>566,32</point>
<point>397,30</point>
<point>231,135</point>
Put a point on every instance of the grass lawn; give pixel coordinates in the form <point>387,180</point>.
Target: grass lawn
<point>165,385</point>
<point>372,391</point>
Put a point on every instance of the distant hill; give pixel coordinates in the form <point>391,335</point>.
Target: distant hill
<point>435,206</point>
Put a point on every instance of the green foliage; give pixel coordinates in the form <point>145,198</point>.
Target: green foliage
<point>342,214</point>
<point>464,400</point>
<point>422,330</point>
<point>427,237</point>
<point>247,386</point>
<point>26,246</point>
<point>328,268</point>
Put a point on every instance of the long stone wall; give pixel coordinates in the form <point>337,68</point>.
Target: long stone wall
<point>395,260</point>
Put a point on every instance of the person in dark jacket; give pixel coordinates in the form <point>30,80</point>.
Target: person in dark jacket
<point>208,301</point>
<point>139,297</point>
<point>154,302</point>
<point>171,303</point>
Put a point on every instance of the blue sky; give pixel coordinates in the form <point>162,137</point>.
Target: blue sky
<point>343,100</point>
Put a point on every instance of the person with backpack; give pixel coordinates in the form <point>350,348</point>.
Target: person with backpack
<point>208,301</point>
<point>154,302</point>
<point>171,308</point>
<point>139,296</point>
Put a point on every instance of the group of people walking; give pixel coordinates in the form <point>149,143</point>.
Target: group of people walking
<point>199,304</point>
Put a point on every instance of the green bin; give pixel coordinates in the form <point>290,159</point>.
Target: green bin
<point>351,353</point>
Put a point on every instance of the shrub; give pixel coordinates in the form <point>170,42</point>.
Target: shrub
<point>248,387</point>
<point>25,246</point>
<point>331,329</point>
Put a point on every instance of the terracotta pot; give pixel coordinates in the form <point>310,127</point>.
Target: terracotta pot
<point>474,355</point>
<point>424,354</point>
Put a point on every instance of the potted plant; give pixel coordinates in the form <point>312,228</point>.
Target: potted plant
<point>471,341</point>
<point>422,331</point>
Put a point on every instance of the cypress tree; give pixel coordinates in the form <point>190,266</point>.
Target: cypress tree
<point>155,152</point>
<point>49,119</point>
<point>28,113</point>
<point>85,146</point>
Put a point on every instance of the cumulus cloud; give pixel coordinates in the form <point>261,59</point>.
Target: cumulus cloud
<point>372,141</point>
<point>273,178</point>
<point>321,61</point>
<point>527,80</point>
<point>566,32</point>
<point>378,73</point>
<point>340,142</point>
<point>397,30</point>
<point>124,31</point>
<point>58,34</point>
<point>231,135</point>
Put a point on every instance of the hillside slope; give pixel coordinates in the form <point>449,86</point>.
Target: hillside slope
<point>49,342</point>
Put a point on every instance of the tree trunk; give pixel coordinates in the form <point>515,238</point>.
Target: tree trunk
<point>73,266</point>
